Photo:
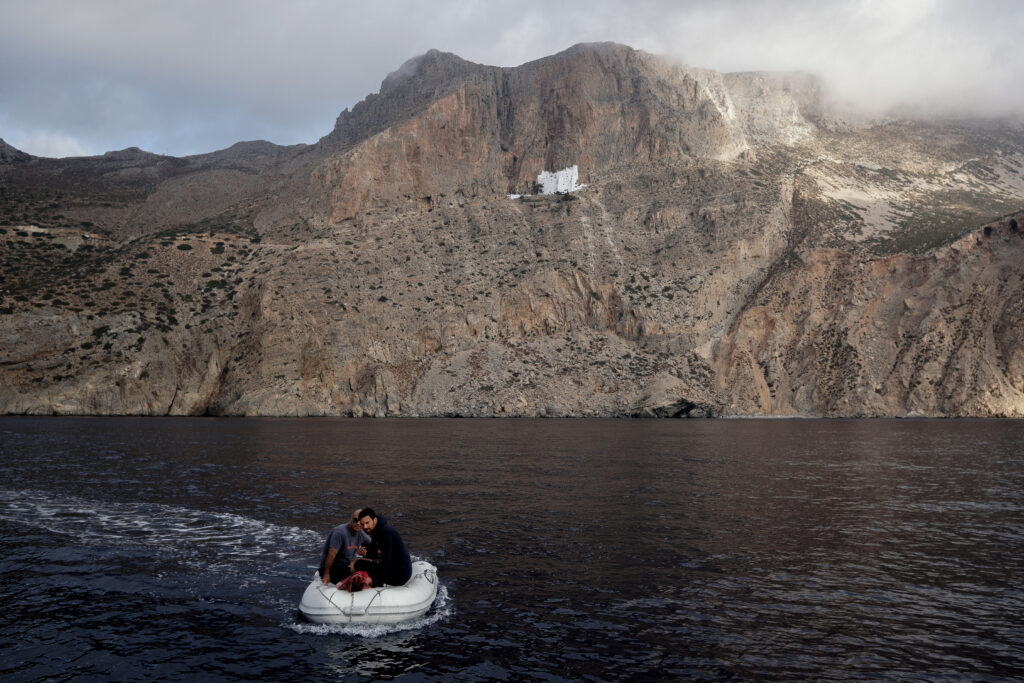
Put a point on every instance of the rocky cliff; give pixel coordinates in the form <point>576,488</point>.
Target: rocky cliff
<point>740,247</point>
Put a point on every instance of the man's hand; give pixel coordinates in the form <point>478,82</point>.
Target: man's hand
<point>360,551</point>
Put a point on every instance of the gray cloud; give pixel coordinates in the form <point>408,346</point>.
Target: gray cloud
<point>191,76</point>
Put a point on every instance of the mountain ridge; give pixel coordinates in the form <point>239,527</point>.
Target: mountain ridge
<point>741,247</point>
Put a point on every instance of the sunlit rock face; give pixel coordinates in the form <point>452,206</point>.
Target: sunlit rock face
<point>681,243</point>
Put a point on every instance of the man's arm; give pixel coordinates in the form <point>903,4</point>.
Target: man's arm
<point>386,555</point>
<point>364,542</point>
<point>328,563</point>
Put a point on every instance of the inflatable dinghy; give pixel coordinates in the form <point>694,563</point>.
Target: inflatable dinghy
<point>378,605</point>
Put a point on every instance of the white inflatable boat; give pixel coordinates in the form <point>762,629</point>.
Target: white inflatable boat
<point>378,605</point>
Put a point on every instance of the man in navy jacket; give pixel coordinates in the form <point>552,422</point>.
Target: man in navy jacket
<point>387,561</point>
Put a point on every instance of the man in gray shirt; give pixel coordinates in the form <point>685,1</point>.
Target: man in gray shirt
<point>345,542</point>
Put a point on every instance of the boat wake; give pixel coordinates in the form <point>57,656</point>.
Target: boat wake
<point>215,540</point>
<point>216,547</point>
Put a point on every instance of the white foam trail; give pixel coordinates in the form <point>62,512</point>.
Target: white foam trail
<point>183,531</point>
<point>215,542</point>
<point>442,609</point>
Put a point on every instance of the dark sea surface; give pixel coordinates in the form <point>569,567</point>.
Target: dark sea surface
<point>178,549</point>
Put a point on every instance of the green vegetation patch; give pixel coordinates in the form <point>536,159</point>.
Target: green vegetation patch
<point>941,220</point>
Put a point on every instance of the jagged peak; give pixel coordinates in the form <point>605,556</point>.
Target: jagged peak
<point>603,51</point>
<point>9,153</point>
<point>597,69</point>
<point>403,92</point>
<point>602,47</point>
<point>430,67</point>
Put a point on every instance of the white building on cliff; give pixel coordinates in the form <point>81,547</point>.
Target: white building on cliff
<point>551,182</point>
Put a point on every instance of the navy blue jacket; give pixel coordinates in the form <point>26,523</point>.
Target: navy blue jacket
<point>395,563</point>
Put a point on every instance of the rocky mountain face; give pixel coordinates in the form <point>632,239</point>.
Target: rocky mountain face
<point>740,247</point>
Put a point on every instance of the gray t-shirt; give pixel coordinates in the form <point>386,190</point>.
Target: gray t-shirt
<point>342,538</point>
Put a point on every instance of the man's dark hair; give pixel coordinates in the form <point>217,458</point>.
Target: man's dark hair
<point>367,512</point>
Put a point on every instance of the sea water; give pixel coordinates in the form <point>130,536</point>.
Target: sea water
<point>178,549</point>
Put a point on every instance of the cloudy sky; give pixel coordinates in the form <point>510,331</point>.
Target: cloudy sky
<point>189,76</point>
